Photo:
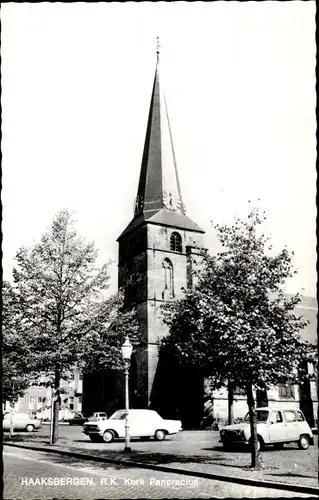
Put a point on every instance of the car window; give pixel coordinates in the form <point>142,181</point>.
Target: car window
<point>261,416</point>
<point>290,416</point>
<point>118,415</point>
<point>300,416</point>
<point>276,417</point>
<point>156,416</point>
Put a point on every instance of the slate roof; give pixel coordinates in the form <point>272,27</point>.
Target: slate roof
<point>162,217</point>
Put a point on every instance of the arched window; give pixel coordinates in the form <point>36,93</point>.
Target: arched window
<point>176,242</point>
<point>168,291</point>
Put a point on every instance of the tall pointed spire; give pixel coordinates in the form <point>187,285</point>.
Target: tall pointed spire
<point>159,198</point>
<point>159,184</point>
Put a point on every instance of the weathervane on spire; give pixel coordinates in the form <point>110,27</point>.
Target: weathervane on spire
<point>158,46</point>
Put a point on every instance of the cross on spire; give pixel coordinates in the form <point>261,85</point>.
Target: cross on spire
<point>158,46</point>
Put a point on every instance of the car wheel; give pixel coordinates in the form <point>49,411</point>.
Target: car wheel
<point>260,444</point>
<point>144,438</point>
<point>304,442</point>
<point>278,446</point>
<point>108,437</point>
<point>30,428</point>
<point>160,435</point>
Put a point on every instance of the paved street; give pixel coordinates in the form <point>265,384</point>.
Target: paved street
<point>199,450</point>
<point>28,474</point>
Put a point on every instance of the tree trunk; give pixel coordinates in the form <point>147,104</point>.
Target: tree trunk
<point>56,404</point>
<point>261,397</point>
<point>255,456</point>
<point>230,403</point>
<point>11,421</point>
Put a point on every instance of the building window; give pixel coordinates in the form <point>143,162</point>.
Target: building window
<point>80,376</point>
<point>176,242</point>
<point>80,399</point>
<point>286,391</point>
<point>168,291</point>
<point>40,400</point>
<point>31,399</point>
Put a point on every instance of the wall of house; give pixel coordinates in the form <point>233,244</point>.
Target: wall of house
<point>276,399</point>
<point>37,399</point>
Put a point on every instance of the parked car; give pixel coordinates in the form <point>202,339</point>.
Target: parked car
<point>275,426</point>
<point>99,415</point>
<point>21,422</point>
<point>143,424</point>
<point>78,419</point>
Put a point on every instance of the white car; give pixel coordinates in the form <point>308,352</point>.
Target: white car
<point>21,422</point>
<point>143,424</point>
<point>99,415</point>
<point>275,426</point>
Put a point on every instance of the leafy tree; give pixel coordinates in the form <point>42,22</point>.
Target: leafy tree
<point>62,304</point>
<point>102,345</point>
<point>16,350</point>
<point>237,324</point>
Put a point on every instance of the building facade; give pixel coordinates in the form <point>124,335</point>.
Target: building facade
<point>156,248</point>
<point>156,253</point>
<point>37,399</point>
<point>303,396</point>
<point>156,258</point>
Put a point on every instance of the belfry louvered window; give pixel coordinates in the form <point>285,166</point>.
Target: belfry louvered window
<point>176,242</point>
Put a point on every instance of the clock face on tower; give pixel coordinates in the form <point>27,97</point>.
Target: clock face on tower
<point>171,200</point>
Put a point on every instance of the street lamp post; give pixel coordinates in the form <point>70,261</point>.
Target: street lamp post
<point>126,354</point>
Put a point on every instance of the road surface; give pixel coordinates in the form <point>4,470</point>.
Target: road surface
<point>32,475</point>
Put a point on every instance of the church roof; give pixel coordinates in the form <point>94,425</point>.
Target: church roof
<point>162,217</point>
<point>159,199</point>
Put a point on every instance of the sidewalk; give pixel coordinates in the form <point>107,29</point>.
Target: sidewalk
<point>197,452</point>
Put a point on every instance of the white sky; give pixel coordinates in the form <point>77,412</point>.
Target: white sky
<point>240,86</point>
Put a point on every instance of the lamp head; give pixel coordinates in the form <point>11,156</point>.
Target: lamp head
<point>127,350</point>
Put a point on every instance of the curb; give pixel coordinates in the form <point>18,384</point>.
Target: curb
<point>219,477</point>
<point>47,422</point>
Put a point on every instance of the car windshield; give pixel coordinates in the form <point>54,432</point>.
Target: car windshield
<point>261,416</point>
<point>118,415</point>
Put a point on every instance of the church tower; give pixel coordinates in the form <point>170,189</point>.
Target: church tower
<point>156,248</point>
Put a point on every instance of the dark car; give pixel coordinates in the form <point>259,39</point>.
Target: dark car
<point>78,419</point>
